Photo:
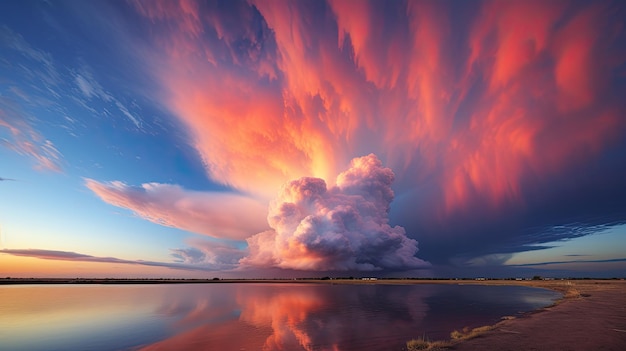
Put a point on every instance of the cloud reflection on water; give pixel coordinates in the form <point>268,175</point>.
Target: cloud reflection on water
<point>251,316</point>
<point>334,317</point>
<point>296,317</point>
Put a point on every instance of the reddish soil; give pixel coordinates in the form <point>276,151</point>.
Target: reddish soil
<point>593,320</point>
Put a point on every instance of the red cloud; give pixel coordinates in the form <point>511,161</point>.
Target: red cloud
<point>482,106</point>
<point>541,107</point>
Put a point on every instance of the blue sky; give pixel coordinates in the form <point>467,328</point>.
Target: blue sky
<point>217,138</point>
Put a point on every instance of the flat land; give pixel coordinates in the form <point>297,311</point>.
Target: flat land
<point>591,316</point>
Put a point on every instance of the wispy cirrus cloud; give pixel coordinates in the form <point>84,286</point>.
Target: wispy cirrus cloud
<point>91,89</point>
<point>48,72</point>
<point>23,139</point>
<point>611,260</point>
<point>48,89</point>
<point>38,92</point>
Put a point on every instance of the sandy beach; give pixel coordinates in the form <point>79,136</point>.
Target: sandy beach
<point>592,316</point>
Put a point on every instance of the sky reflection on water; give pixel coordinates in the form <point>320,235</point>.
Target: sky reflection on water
<point>249,316</point>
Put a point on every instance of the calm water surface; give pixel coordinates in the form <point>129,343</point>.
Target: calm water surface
<point>249,316</point>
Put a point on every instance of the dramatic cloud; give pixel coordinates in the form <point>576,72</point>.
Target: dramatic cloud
<point>77,257</point>
<point>220,215</point>
<point>502,121</point>
<point>253,123</point>
<point>475,114</point>
<point>342,228</point>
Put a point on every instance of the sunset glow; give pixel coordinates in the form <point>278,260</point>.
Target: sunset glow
<point>288,138</point>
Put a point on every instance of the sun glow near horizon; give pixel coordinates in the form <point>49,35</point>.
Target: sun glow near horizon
<point>249,137</point>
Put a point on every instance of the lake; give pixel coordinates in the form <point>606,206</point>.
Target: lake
<point>250,316</point>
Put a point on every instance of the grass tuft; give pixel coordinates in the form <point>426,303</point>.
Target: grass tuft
<point>425,344</point>
<point>417,344</point>
<point>572,293</point>
<point>467,334</point>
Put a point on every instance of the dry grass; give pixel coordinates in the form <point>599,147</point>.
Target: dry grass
<point>467,333</point>
<point>570,290</point>
<point>571,293</point>
<point>417,344</point>
<point>425,344</point>
<point>440,345</point>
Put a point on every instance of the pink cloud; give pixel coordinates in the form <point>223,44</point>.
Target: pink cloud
<point>78,257</point>
<point>220,215</point>
<point>341,228</point>
<point>25,140</point>
<point>479,108</point>
<point>540,109</point>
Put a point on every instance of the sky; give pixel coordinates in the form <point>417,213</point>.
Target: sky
<point>312,138</point>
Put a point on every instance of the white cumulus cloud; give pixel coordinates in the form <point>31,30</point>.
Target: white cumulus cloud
<point>341,228</point>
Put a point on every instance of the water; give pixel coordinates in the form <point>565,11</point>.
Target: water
<point>249,316</point>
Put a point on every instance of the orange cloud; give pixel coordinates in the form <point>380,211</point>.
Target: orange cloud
<point>480,106</point>
<point>248,134</point>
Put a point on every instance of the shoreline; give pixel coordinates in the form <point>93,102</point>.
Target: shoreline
<point>590,315</point>
<point>559,285</point>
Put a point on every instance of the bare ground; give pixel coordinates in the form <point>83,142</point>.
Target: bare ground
<point>592,316</point>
